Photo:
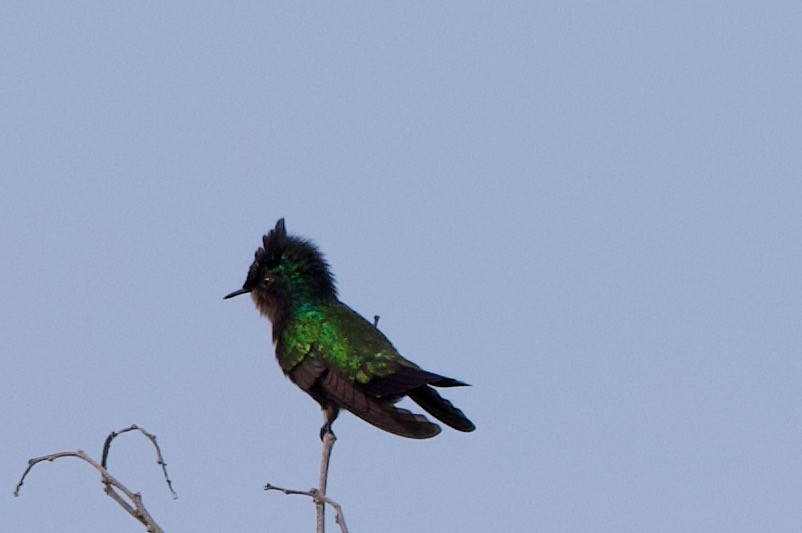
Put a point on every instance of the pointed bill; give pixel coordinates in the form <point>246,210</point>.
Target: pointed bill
<point>236,293</point>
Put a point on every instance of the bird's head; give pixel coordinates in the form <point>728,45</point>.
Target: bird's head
<point>287,272</point>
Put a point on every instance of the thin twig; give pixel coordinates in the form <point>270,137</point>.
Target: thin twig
<point>318,495</point>
<point>328,443</point>
<point>159,459</point>
<point>339,517</point>
<point>133,505</point>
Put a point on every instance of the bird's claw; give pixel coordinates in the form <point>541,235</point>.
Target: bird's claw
<point>324,429</point>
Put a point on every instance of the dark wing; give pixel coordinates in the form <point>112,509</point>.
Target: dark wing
<point>324,383</point>
<point>342,356</point>
<point>384,374</point>
<point>379,412</point>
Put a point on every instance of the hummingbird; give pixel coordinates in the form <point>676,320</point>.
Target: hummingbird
<point>334,354</point>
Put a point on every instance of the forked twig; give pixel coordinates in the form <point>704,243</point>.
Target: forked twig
<point>133,505</point>
<point>318,495</point>
<point>339,517</point>
<point>128,500</point>
<point>159,459</point>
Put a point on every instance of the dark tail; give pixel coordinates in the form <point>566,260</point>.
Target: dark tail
<point>440,408</point>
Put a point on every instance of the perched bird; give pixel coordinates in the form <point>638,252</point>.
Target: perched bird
<point>331,352</point>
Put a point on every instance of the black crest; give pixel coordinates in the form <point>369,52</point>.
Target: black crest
<point>299,256</point>
<point>269,256</point>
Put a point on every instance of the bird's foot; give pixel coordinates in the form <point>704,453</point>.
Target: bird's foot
<point>324,429</point>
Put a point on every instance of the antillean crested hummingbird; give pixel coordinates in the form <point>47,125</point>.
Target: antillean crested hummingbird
<point>334,354</point>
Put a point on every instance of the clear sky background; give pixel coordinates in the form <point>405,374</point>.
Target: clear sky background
<point>588,210</point>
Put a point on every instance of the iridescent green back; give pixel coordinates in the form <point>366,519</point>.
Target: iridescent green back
<point>338,335</point>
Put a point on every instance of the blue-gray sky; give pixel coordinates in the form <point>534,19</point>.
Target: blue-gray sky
<point>590,211</point>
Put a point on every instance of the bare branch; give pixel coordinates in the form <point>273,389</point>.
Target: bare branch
<point>32,462</point>
<point>316,496</point>
<point>132,502</point>
<point>159,459</point>
<point>328,443</point>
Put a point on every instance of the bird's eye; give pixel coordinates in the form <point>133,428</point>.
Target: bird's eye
<point>268,279</point>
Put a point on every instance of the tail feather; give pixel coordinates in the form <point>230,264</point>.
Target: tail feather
<point>448,382</point>
<point>407,378</point>
<point>381,413</point>
<point>440,408</point>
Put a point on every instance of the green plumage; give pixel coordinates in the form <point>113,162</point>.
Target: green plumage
<point>343,339</point>
<point>333,353</point>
